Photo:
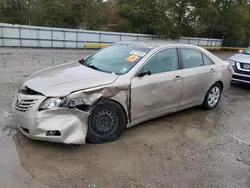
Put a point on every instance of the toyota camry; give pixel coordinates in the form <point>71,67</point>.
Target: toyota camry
<point>117,87</point>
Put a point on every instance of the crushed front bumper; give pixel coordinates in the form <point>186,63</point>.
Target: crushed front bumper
<point>70,123</point>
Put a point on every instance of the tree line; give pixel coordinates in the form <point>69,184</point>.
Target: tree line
<point>228,19</point>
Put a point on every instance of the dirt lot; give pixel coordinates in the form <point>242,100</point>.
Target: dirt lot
<point>192,148</point>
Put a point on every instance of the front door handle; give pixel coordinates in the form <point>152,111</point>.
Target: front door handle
<point>177,78</point>
<point>212,71</point>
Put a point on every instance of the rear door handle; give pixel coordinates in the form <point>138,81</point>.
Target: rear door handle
<point>212,71</point>
<point>177,78</point>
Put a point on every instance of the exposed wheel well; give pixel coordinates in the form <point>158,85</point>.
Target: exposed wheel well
<point>117,103</point>
<point>102,129</point>
<point>221,84</point>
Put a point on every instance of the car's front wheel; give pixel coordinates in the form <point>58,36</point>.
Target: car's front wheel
<point>212,97</point>
<point>106,122</point>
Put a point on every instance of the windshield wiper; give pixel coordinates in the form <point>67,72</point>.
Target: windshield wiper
<point>82,61</point>
<point>92,66</point>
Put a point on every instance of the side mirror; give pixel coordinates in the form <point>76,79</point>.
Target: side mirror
<point>81,61</point>
<point>240,51</point>
<point>141,74</point>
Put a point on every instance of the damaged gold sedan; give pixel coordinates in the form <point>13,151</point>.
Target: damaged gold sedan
<point>115,88</point>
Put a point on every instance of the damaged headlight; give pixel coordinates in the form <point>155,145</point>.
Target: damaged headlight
<point>53,103</point>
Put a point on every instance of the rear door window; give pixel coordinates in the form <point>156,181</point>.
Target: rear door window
<point>191,58</point>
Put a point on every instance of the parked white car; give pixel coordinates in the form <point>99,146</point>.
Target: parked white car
<point>241,66</point>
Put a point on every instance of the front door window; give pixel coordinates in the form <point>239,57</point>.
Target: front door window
<point>163,61</point>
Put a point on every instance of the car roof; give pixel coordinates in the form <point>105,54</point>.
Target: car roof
<point>156,43</point>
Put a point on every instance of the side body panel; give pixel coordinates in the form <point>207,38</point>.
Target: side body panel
<point>197,82</point>
<point>155,94</point>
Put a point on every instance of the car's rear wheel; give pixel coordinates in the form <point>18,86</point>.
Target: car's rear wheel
<point>106,122</point>
<point>212,97</point>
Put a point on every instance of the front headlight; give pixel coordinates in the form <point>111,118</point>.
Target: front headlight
<point>54,103</point>
<point>231,62</point>
<point>51,103</point>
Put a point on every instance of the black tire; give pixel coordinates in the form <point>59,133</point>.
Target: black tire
<point>206,103</point>
<point>106,122</point>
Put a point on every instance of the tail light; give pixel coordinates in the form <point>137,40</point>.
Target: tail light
<point>230,69</point>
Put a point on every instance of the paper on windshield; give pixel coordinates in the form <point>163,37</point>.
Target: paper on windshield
<point>132,58</point>
<point>138,53</point>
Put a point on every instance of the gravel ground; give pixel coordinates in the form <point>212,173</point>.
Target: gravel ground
<point>192,148</point>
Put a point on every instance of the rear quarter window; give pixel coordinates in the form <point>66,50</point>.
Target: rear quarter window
<point>207,60</point>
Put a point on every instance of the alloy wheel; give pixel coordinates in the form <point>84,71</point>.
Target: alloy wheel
<point>214,96</point>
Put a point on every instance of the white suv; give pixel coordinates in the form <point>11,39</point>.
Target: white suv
<point>241,66</point>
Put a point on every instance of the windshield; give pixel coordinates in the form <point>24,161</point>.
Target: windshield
<point>247,51</point>
<point>118,59</point>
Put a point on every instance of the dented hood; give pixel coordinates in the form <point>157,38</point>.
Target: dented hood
<point>63,79</point>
